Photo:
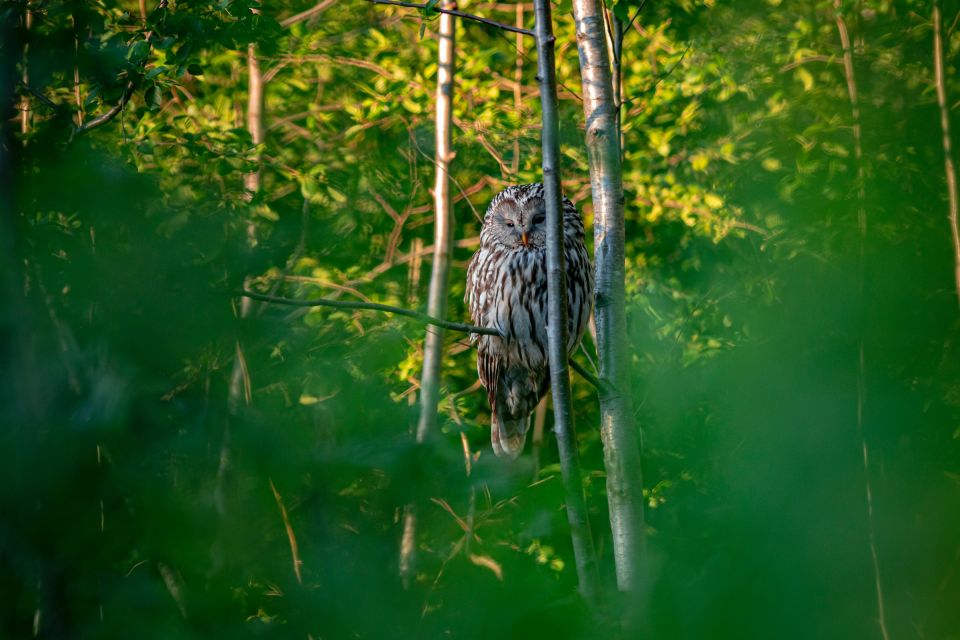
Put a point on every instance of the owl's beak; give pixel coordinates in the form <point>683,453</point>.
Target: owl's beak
<point>523,239</point>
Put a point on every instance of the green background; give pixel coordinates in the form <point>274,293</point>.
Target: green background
<point>136,496</point>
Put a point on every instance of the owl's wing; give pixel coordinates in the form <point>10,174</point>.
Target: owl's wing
<point>488,367</point>
<point>478,295</point>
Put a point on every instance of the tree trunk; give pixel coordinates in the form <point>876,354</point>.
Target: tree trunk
<point>621,448</point>
<point>950,172</point>
<point>517,89</point>
<point>25,99</point>
<point>583,550</point>
<point>439,273</point>
<point>239,392</point>
<point>254,113</point>
<point>861,367</point>
<point>442,231</point>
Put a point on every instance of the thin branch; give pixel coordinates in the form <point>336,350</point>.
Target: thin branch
<point>459,14</point>
<point>109,115</point>
<point>291,536</point>
<point>589,377</point>
<point>661,78</point>
<point>39,96</point>
<point>633,19</point>
<point>456,182</point>
<point>816,58</point>
<point>306,15</point>
<point>370,306</point>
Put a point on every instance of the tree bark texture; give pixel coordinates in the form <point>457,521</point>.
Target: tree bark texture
<point>440,270</point>
<point>442,230</point>
<point>621,447</point>
<point>584,553</point>
<point>949,170</point>
<point>254,112</point>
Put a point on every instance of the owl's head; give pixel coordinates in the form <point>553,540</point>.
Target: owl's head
<point>516,218</point>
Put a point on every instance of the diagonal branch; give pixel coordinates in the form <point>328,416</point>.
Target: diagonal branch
<point>39,96</point>
<point>109,115</point>
<point>600,385</point>
<point>306,15</point>
<point>459,14</point>
<point>370,306</point>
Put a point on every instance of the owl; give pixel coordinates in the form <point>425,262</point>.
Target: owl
<point>507,290</point>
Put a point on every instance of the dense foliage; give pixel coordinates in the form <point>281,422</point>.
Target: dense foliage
<point>175,466</point>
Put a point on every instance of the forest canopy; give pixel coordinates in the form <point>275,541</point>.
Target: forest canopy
<point>182,460</point>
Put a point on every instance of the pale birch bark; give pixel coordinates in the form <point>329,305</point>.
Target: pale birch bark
<point>254,113</point>
<point>440,269</point>
<point>621,448</point>
<point>948,168</point>
<point>583,550</point>
<point>442,231</point>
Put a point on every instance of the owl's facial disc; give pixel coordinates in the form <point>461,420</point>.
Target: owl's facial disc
<point>520,224</point>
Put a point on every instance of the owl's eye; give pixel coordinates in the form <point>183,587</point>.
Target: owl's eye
<point>509,224</point>
<point>539,218</point>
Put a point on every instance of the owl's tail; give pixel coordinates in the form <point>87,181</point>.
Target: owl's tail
<point>508,436</point>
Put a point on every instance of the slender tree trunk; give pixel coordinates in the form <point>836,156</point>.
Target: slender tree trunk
<point>583,550</point>
<point>853,95</point>
<point>949,170</point>
<point>439,273</point>
<point>76,71</point>
<point>621,448</point>
<point>25,100</point>
<point>254,113</point>
<point>442,231</point>
<point>239,393</point>
<point>518,89</point>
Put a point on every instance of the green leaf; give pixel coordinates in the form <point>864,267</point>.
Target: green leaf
<point>154,72</point>
<point>195,69</point>
<point>154,98</point>
<point>138,52</point>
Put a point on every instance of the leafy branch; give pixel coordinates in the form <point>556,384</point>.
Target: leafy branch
<point>113,111</point>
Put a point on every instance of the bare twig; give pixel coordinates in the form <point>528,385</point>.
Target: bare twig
<point>291,536</point>
<point>589,377</point>
<point>634,18</point>
<point>456,182</point>
<point>802,61</point>
<point>459,14</point>
<point>306,15</point>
